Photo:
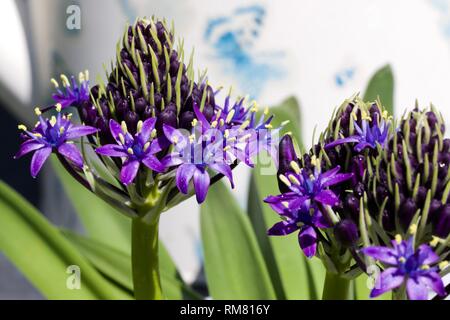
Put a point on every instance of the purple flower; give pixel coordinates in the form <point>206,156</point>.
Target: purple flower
<point>53,135</point>
<point>301,206</point>
<point>72,93</point>
<point>368,136</point>
<point>135,149</point>
<point>192,156</point>
<point>407,266</point>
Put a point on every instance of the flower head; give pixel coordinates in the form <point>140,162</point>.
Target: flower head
<point>72,93</point>
<point>53,135</point>
<point>136,149</point>
<point>407,266</point>
<point>303,204</point>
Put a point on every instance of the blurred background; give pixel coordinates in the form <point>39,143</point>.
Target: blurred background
<point>319,51</point>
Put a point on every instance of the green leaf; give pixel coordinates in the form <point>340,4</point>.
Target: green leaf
<point>116,265</point>
<point>362,292</point>
<point>234,265</point>
<point>293,276</point>
<point>43,255</point>
<point>382,85</point>
<point>101,221</point>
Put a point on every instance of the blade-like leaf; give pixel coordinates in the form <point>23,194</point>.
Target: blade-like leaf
<point>43,255</point>
<point>116,265</point>
<point>234,266</point>
<point>293,276</point>
<point>101,221</point>
<point>382,85</point>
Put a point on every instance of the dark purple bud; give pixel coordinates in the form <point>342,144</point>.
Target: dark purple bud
<point>148,112</point>
<point>122,108</point>
<point>140,105</point>
<point>286,155</point>
<point>442,228</point>
<point>186,120</point>
<point>131,119</point>
<point>168,117</point>
<point>346,232</point>
<point>208,112</point>
<point>406,212</point>
<point>351,203</point>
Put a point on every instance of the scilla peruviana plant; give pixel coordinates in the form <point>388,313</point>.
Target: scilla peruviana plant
<point>152,136</point>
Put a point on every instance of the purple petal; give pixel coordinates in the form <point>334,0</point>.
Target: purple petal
<point>79,131</point>
<point>153,163</point>
<point>71,152</point>
<point>433,281</point>
<point>115,129</point>
<point>282,228</point>
<point>129,172</point>
<point>286,203</point>
<point>27,147</point>
<point>201,184</point>
<point>307,238</point>
<point>147,128</point>
<point>174,135</point>
<point>342,141</point>
<point>427,255</point>
<point>172,160</point>
<point>338,178</point>
<point>389,279</point>
<point>324,177</point>
<point>201,118</point>
<point>383,254</point>
<point>319,220</point>
<point>38,160</point>
<point>327,197</point>
<point>155,147</point>
<point>184,174</point>
<point>223,169</point>
<point>416,290</point>
<point>111,150</point>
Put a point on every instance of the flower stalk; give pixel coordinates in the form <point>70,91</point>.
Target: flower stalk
<point>336,287</point>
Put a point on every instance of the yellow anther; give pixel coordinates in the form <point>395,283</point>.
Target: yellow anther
<point>233,139</point>
<point>58,107</point>
<point>146,146</point>
<point>398,238</point>
<point>53,121</point>
<point>294,165</point>
<point>246,137</point>
<point>61,130</point>
<point>285,204</point>
<point>37,123</point>
<point>289,133</point>
<point>69,115</point>
<point>244,125</point>
<point>365,116</point>
<point>139,126</point>
<point>54,82</point>
<point>284,180</point>
<point>65,80</point>
<point>81,77</point>
<point>435,241</point>
<point>266,111</point>
<point>214,124</point>
<point>268,126</point>
<point>121,138</point>
<point>425,267</point>
<point>294,179</point>
<point>443,264</point>
<point>385,114</point>
<point>37,135</point>
<point>123,125</point>
<point>226,148</point>
<point>254,108</point>
<point>22,127</point>
<point>402,259</point>
<point>130,151</point>
<point>194,122</point>
<point>230,116</point>
<point>175,140</point>
<point>86,75</point>
<point>37,111</point>
<point>413,228</point>
<point>315,161</point>
<point>153,134</point>
<point>226,134</point>
<point>192,138</point>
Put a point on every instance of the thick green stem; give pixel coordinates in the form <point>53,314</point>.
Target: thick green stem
<point>336,287</point>
<point>145,260</point>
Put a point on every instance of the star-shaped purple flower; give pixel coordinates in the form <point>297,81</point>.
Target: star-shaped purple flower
<point>53,135</point>
<point>192,156</point>
<point>73,93</point>
<point>301,206</point>
<point>134,149</point>
<point>368,136</point>
<point>407,266</point>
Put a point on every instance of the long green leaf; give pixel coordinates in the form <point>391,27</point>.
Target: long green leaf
<point>116,265</point>
<point>101,221</point>
<point>382,85</point>
<point>293,276</point>
<point>234,265</point>
<point>43,255</point>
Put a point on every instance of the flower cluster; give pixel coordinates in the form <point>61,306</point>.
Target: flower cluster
<point>151,130</point>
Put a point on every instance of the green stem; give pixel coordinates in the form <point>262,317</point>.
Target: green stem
<point>336,287</point>
<point>145,260</point>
